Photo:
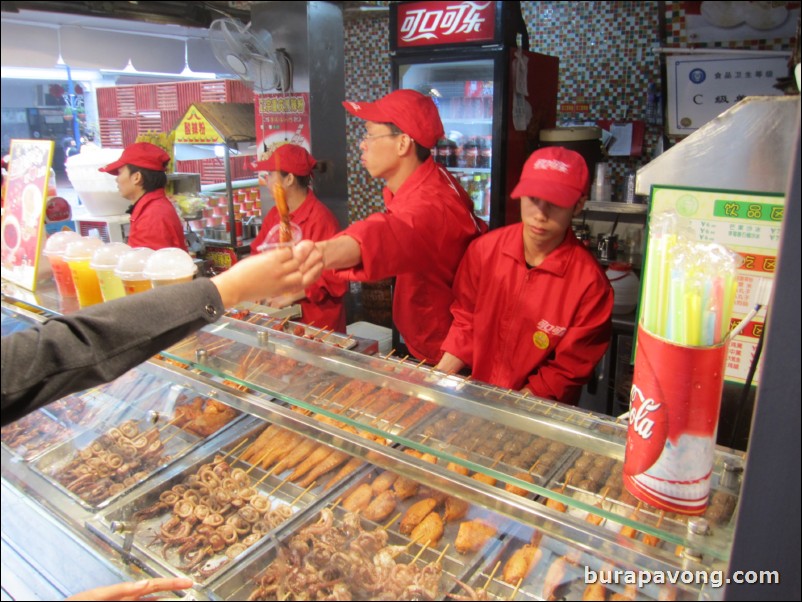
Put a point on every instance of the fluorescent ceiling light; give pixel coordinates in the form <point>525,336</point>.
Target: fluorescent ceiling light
<point>49,74</point>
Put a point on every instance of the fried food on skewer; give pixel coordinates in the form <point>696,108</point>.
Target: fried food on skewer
<point>383,482</point>
<point>521,563</point>
<point>455,509</point>
<point>415,514</point>
<point>430,529</point>
<point>316,457</point>
<point>349,467</point>
<point>524,476</point>
<point>595,591</point>
<point>330,463</point>
<point>554,578</point>
<point>472,535</point>
<point>285,231</point>
<point>405,487</point>
<point>381,507</point>
<point>358,499</point>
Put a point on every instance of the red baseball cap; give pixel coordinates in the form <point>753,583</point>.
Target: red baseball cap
<point>289,158</point>
<point>413,113</point>
<point>140,154</point>
<point>554,174</point>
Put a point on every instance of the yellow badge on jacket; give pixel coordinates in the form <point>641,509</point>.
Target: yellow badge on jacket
<point>541,340</point>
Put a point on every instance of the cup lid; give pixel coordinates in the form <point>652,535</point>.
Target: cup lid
<point>57,242</point>
<point>274,234</point>
<point>131,264</point>
<point>168,264</point>
<point>106,257</point>
<point>81,249</point>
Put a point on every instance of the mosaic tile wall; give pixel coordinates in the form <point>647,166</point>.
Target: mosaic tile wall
<point>367,77</point>
<point>606,60</point>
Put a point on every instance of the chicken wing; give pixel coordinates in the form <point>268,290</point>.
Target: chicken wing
<point>521,563</point>
<point>429,530</point>
<point>455,509</point>
<point>472,535</point>
<point>381,507</point>
<point>383,482</point>
<point>358,499</point>
<point>415,514</point>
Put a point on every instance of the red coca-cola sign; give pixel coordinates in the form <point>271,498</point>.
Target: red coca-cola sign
<point>439,23</point>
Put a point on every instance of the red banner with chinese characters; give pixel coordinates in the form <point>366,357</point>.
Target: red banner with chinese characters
<point>282,119</point>
<point>439,23</point>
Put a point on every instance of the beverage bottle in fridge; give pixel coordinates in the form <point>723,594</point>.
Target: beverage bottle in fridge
<point>452,154</point>
<point>442,151</point>
<point>485,196</point>
<point>476,193</point>
<point>486,152</point>
<point>470,153</point>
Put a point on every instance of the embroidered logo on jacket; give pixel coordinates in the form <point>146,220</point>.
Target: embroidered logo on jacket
<point>544,329</point>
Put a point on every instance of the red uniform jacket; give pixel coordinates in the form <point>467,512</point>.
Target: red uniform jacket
<point>419,239</point>
<point>323,304</point>
<point>155,223</point>
<point>545,327</point>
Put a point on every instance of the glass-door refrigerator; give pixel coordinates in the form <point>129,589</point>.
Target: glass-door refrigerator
<point>494,96</point>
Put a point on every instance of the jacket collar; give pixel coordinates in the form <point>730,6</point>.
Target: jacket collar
<point>556,262</point>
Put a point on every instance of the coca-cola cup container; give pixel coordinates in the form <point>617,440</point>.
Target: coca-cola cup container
<point>673,418</point>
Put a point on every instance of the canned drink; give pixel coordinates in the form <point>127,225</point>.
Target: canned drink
<point>629,188</point>
<point>673,419</point>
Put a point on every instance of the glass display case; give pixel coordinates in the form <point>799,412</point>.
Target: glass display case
<point>386,477</point>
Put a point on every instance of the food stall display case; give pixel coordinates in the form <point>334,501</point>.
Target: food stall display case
<point>527,493</point>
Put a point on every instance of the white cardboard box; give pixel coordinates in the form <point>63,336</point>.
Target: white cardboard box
<point>368,330</point>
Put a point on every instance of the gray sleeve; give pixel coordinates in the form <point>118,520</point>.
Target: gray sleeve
<point>97,344</point>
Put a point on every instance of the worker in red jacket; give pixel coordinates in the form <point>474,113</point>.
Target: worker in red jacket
<point>141,179</point>
<point>426,226</point>
<point>532,306</point>
<point>291,166</point>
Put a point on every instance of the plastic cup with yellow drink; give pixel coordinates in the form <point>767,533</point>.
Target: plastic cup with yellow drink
<point>104,261</point>
<point>170,266</point>
<point>130,269</point>
<point>78,256</point>
<point>54,250</point>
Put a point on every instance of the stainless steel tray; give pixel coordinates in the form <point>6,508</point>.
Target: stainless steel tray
<point>559,572</point>
<point>596,480</point>
<point>94,487</point>
<point>472,440</point>
<point>153,532</point>
<point>358,570</point>
<point>33,435</point>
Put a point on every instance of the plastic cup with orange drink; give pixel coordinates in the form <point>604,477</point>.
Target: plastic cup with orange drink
<point>78,256</point>
<point>104,261</point>
<point>170,266</point>
<point>54,250</point>
<point>130,269</point>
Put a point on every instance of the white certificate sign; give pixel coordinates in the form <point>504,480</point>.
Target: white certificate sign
<point>702,87</point>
